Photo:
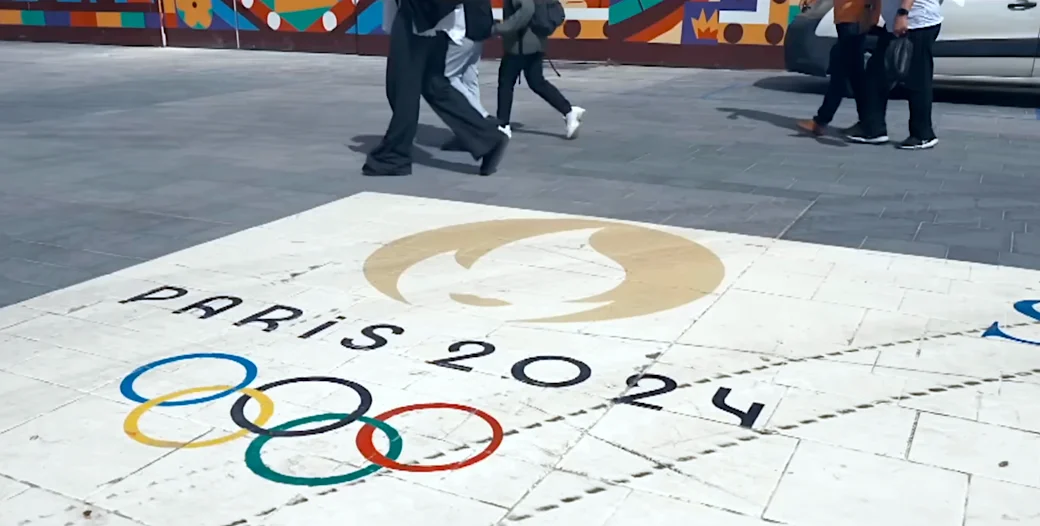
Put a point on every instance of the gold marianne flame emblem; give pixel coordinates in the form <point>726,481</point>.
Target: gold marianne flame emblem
<point>662,270</point>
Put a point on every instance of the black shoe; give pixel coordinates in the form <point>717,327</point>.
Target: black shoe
<point>453,145</point>
<point>855,134</point>
<point>372,172</point>
<point>913,143</point>
<point>489,163</point>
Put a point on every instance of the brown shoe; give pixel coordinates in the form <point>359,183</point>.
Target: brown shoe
<point>811,127</point>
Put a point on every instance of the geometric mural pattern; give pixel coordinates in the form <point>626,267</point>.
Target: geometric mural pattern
<point>279,24</point>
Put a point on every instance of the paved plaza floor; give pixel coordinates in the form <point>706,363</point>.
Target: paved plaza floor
<point>688,315</point>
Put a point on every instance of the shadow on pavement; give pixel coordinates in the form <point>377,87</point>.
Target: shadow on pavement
<point>1007,96</point>
<point>431,136</point>
<point>427,135</point>
<point>781,121</point>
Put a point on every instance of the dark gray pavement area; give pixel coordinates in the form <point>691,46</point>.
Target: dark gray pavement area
<point>112,156</point>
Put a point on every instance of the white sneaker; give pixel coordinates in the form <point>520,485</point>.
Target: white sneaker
<point>506,130</point>
<point>574,121</point>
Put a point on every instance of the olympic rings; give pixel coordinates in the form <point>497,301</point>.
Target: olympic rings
<point>256,463</point>
<point>238,410</point>
<point>133,429</point>
<point>127,385</point>
<point>365,446</point>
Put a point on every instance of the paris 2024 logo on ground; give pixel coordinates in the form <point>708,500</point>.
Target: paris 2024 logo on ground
<point>662,270</point>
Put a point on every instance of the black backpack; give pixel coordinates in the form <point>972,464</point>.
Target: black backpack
<point>548,15</point>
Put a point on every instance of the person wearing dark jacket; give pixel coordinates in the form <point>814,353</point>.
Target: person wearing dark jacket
<point>524,52</point>
<point>420,32</point>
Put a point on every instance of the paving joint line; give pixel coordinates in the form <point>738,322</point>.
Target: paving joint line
<point>766,432</point>
<point>749,370</point>
<point>756,434</point>
<point>752,433</point>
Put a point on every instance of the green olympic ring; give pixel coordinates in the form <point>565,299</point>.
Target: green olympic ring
<point>256,464</point>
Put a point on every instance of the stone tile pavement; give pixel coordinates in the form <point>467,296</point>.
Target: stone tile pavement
<point>556,371</point>
<point>793,331</point>
<point>113,156</point>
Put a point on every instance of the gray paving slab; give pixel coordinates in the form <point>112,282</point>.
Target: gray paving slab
<point>112,156</point>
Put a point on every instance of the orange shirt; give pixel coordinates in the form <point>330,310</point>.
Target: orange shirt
<point>850,10</point>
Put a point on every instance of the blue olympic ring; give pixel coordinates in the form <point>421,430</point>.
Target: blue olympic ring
<point>127,385</point>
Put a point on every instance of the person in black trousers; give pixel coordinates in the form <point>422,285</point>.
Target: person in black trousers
<point>419,38</point>
<point>524,51</point>
<point>853,19</point>
<point>919,21</point>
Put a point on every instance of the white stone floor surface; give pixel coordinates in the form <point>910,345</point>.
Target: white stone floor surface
<point>396,360</point>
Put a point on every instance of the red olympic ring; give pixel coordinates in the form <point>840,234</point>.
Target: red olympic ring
<point>368,449</point>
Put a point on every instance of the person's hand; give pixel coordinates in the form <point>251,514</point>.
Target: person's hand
<point>805,4</point>
<point>901,26</point>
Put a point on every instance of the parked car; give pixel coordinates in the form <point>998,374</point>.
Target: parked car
<point>981,42</point>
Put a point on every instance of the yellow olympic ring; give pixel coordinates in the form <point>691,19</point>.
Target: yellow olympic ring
<point>133,430</point>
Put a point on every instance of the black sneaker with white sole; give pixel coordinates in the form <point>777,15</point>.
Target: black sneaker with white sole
<point>863,138</point>
<point>913,143</point>
<point>856,134</point>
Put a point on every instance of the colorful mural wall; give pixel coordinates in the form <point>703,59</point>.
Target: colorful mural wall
<point>717,33</point>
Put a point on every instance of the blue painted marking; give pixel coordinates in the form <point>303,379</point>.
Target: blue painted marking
<point>225,13</point>
<point>1024,307</point>
<point>370,19</point>
<point>995,330</point>
<point>57,18</point>
<point>1038,114</point>
<point>1028,308</point>
<point>126,387</point>
<point>242,22</point>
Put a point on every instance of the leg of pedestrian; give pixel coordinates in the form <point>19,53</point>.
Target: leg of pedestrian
<point>481,137</point>
<point>461,69</point>
<point>509,70</point>
<point>919,85</point>
<point>534,72</point>
<point>404,70</point>
<point>872,128</point>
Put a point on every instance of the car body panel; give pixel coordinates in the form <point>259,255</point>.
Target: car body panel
<point>982,41</point>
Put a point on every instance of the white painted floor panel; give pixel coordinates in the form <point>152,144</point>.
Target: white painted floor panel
<point>448,363</point>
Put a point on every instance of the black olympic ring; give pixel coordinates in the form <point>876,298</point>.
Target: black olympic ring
<point>238,415</point>
<point>520,373</point>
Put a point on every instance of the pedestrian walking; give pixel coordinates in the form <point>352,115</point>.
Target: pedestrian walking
<point>525,30</point>
<point>461,65</point>
<point>852,20</point>
<point>919,21</point>
<point>420,31</point>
